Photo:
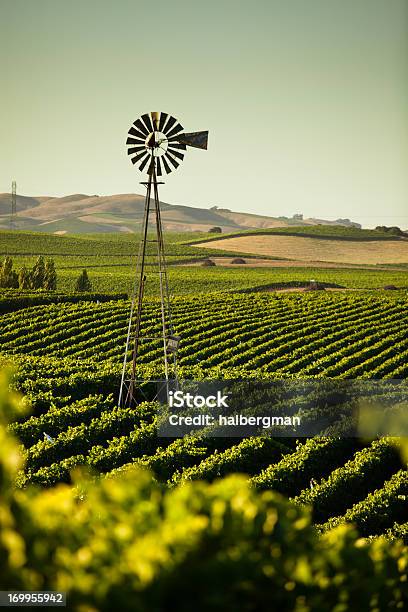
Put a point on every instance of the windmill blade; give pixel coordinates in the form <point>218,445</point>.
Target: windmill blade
<point>136,150</point>
<point>170,122</point>
<point>139,157</point>
<point>155,120</point>
<point>163,117</point>
<point>147,122</point>
<point>166,165</point>
<point>158,164</point>
<point>142,142</point>
<point>137,134</point>
<point>178,128</point>
<point>141,126</point>
<point>135,141</point>
<point>144,162</point>
<point>199,140</point>
<point>177,145</point>
<point>176,153</point>
<point>173,161</point>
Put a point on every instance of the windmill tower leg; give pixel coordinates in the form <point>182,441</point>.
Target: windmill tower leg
<point>170,357</point>
<point>127,387</point>
<point>128,395</point>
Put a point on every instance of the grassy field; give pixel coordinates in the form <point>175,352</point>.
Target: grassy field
<point>199,280</point>
<point>298,506</point>
<point>310,334</point>
<point>89,245</point>
<point>233,323</point>
<point>110,260</point>
<point>68,359</point>
<point>329,232</point>
<point>302,248</point>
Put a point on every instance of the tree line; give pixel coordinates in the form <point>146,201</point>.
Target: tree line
<point>42,275</point>
<point>393,230</point>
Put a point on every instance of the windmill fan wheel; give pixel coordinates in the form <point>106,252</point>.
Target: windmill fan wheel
<point>158,138</point>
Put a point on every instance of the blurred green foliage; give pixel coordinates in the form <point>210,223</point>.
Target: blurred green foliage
<point>127,543</point>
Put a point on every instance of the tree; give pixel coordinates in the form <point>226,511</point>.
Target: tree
<point>83,283</point>
<point>8,278</point>
<point>38,274</point>
<point>50,275</point>
<point>215,230</point>
<point>395,231</point>
<point>24,278</point>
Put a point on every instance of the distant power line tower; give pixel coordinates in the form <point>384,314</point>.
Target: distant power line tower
<point>13,205</point>
<point>155,142</point>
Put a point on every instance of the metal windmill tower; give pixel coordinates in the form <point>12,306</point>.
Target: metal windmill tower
<point>13,205</point>
<point>155,142</point>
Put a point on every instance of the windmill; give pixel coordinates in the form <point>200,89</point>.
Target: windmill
<point>156,142</point>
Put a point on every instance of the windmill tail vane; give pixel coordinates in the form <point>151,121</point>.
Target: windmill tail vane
<point>156,144</point>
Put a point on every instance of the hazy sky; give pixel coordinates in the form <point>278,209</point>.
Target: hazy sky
<point>306,101</point>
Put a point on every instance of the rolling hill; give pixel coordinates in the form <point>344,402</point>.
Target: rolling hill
<point>81,213</point>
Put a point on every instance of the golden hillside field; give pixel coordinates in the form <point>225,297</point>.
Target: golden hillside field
<point>316,249</point>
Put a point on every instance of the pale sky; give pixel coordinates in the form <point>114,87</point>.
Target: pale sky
<point>306,101</point>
